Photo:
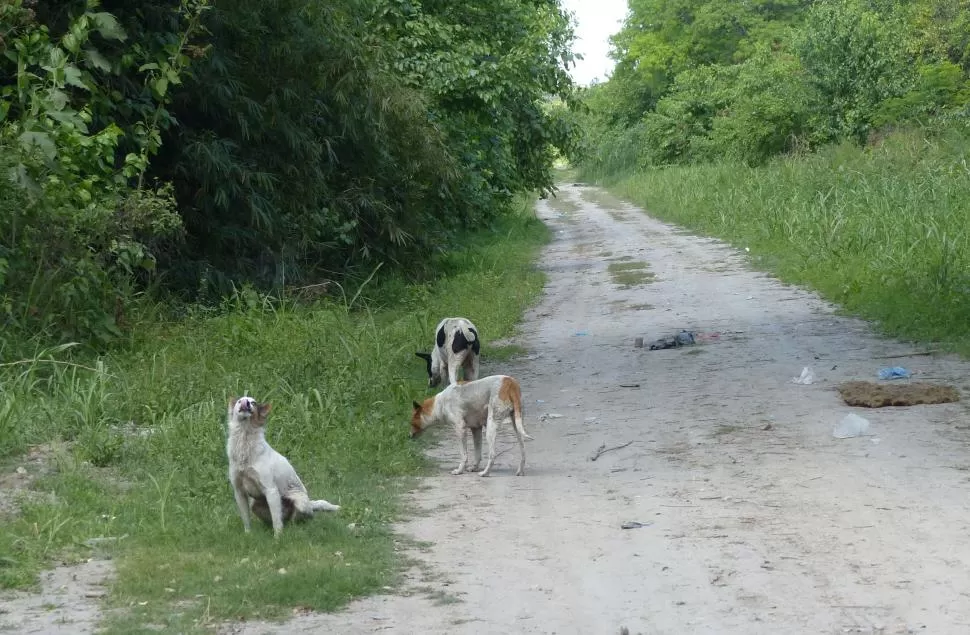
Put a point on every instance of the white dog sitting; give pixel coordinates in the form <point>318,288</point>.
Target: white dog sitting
<point>260,473</point>
<point>457,345</point>
<point>485,403</point>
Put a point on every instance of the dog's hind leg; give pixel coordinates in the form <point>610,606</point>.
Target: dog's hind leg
<point>477,442</point>
<point>455,366</point>
<point>491,431</point>
<point>275,503</point>
<point>301,503</point>
<point>463,445</point>
<point>471,367</point>
<point>520,434</point>
<point>261,510</point>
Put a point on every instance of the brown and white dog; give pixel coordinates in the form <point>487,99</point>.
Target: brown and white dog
<point>457,345</point>
<point>260,473</point>
<point>474,405</point>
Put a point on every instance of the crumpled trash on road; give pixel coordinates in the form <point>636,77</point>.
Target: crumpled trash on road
<point>634,524</point>
<point>895,372</point>
<point>807,378</point>
<point>852,425</point>
<point>684,338</point>
<point>549,415</point>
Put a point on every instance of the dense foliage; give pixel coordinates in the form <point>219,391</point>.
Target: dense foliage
<point>191,146</point>
<point>698,81</point>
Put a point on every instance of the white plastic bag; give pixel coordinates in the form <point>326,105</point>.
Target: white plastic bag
<point>806,378</point>
<point>852,425</point>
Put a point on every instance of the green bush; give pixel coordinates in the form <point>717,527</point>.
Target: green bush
<point>76,224</point>
<point>769,111</point>
<point>746,112</point>
<point>855,59</point>
<point>940,88</point>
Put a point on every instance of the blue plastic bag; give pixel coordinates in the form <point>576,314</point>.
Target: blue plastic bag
<point>896,372</point>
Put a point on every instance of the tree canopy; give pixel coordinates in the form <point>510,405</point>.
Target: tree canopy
<point>745,80</point>
<point>191,146</point>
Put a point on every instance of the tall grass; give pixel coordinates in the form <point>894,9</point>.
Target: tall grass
<point>883,230</point>
<point>139,440</point>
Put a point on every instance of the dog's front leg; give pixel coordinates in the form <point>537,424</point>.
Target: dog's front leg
<point>242,502</point>
<point>275,503</point>
<point>463,445</point>
<point>477,441</point>
<point>436,364</point>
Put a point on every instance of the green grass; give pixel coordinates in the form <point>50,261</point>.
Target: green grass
<point>502,353</point>
<point>146,432</point>
<point>884,231</point>
<point>629,273</point>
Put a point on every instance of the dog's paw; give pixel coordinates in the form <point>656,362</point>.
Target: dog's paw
<point>483,473</point>
<point>520,472</point>
<point>456,472</point>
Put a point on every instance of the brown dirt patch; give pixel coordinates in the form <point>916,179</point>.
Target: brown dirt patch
<point>871,395</point>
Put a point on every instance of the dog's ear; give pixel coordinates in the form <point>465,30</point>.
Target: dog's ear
<point>262,410</point>
<point>416,405</point>
<point>427,361</point>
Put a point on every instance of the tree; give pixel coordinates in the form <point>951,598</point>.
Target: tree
<point>661,38</point>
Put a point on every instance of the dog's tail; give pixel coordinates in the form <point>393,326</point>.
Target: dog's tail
<point>516,398</point>
<point>466,337</point>
<point>323,506</point>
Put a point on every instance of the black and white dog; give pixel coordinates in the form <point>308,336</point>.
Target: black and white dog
<point>456,346</point>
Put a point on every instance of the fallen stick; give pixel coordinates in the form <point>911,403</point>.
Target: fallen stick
<point>913,354</point>
<point>600,451</point>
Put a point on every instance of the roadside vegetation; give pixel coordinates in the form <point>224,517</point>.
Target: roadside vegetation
<point>281,198</point>
<point>130,450</point>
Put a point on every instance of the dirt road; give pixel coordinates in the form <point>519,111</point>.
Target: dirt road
<point>756,519</point>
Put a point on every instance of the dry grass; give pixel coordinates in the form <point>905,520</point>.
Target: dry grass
<point>871,395</point>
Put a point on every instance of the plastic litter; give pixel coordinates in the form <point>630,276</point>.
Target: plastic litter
<point>633,524</point>
<point>580,333</point>
<point>895,372</point>
<point>807,377</point>
<point>852,425</point>
<point>684,338</point>
<point>549,415</point>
